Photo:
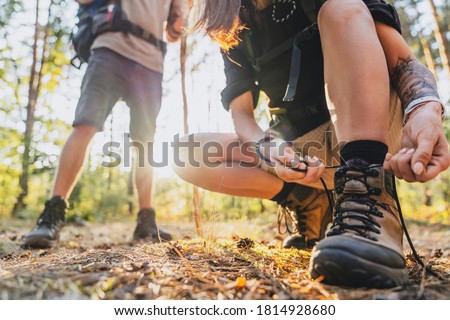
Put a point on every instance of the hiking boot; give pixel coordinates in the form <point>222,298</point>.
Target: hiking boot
<point>310,213</point>
<point>48,226</point>
<point>364,245</point>
<point>146,228</point>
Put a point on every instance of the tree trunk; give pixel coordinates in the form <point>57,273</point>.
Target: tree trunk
<point>428,55</point>
<point>428,197</point>
<point>110,170</point>
<point>441,39</point>
<point>131,192</point>
<point>33,94</point>
<point>183,55</point>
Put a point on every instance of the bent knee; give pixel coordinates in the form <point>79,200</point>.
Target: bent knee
<point>190,150</point>
<point>196,150</point>
<point>337,16</point>
<point>84,130</point>
<point>184,148</point>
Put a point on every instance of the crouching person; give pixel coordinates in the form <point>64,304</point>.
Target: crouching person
<point>336,68</point>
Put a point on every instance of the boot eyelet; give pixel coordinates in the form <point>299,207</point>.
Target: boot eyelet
<point>374,173</point>
<point>375,191</point>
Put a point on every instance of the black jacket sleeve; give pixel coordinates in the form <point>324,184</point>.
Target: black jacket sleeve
<point>240,77</point>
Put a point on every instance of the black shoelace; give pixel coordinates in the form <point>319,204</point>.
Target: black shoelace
<point>286,210</point>
<point>365,216</point>
<point>51,215</point>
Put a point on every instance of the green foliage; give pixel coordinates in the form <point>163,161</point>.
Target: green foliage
<point>95,199</point>
<point>8,188</point>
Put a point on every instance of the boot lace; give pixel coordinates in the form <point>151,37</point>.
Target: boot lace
<point>366,210</point>
<point>51,216</point>
<point>287,211</point>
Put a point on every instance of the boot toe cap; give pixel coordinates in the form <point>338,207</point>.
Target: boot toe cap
<point>364,249</point>
<point>41,238</point>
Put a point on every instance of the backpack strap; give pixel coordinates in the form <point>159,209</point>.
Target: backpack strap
<point>311,9</point>
<point>304,35</point>
<point>128,27</point>
<point>296,60</point>
<point>94,6</point>
<point>121,24</point>
<point>293,43</point>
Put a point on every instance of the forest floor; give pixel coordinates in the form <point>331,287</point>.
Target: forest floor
<point>235,260</point>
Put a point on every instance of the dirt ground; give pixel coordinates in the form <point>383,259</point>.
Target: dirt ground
<point>98,262</point>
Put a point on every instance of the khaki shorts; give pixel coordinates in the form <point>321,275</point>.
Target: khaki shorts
<point>110,77</point>
<point>322,143</point>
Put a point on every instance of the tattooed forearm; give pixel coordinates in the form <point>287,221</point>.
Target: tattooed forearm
<point>413,80</point>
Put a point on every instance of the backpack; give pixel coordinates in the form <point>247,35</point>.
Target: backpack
<point>100,17</point>
<point>311,9</point>
<point>293,122</point>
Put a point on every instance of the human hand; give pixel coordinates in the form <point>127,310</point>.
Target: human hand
<point>291,167</point>
<point>425,152</point>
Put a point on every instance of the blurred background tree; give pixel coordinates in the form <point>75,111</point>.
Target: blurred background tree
<point>39,90</point>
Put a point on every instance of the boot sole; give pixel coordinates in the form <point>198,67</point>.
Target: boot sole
<point>341,268</point>
<point>298,243</point>
<point>38,243</point>
<point>152,239</point>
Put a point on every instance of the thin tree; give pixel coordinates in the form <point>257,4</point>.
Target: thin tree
<point>196,198</point>
<point>36,72</point>
<point>440,38</point>
<point>428,55</point>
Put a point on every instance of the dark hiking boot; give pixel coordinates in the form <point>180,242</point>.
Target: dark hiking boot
<point>48,226</point>
<point>364,245</point>
<point>310,214</point>
<point>146,228</point>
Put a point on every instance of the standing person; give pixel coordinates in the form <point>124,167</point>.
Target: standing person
<point>344,75</point>
<point>122,66</point>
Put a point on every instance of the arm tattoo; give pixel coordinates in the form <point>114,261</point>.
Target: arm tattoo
<point>413,80</point>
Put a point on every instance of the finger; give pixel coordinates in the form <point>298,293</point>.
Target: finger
<point>299,164</point>
<point>289,175</point>
<point>319,172</point>
<point>423,154</point>
<point>387,163</point>
<point>439,162</point>
<point>315,163</point>
<point>429,173</point>
<point>394,163</point>
<point>404,166</point>
<point>313,175</point>
<point>286,157</point>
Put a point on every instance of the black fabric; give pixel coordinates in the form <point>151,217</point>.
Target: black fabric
<point>385,13</point>
<point>285,191</point>
<point>372,152</point>
<point>273,77</point>
<point>265,35</point>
